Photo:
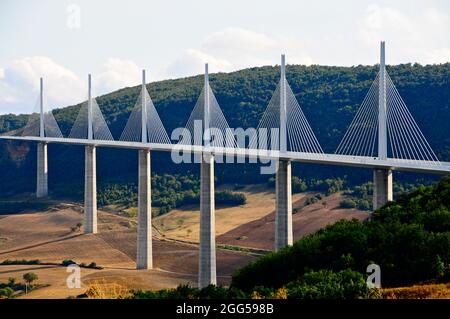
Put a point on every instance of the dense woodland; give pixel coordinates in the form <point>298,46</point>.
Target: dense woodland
<point>168,192</point>
<point>329,96</point>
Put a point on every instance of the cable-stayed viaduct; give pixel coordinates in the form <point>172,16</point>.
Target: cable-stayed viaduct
<point>383,137</point>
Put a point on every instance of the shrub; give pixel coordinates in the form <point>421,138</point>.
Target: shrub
<point>11,281</point>
<point>67,262</point>
<point>298,185</point>
<point>347,203</point>
<point>93,265</point>
<point>21,262</point>
<point>328,186</point>
<point>181,292</point>
<point>364,204</point>
<point>325,284</point>
<point>313,199</point>
<point>187,292</point>
<point>230,198</point>
<point>6,292</point>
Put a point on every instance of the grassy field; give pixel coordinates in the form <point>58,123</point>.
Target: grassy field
<point>183,224</point>
<point>306,219</point>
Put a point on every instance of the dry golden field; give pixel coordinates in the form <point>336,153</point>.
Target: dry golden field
<point>50,237</point>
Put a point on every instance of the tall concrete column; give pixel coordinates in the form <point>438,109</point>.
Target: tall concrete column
<point>42,171</point>
<point>283,211</point>
<point>144,258</point>
<point>207,258</point>
<point>382,115</point>
<point>382,187</point>
<point>90,191</point>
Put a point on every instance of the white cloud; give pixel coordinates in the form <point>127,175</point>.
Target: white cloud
<point>117,73</point>
<point>380,21</point>
<point>423,37</point>
<point>228,40</point>
<point>192,62</point>
<point>237,48</point>
<point>437,55</point>
<point>19,82</point>
<point>6,94</point>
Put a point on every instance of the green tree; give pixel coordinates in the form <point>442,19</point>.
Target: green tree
<point>347,203</point>
<point>29,277</point>
<point>298,185</point>
<point>438,267</point>
<point>325,284</point>
<point>6,292</point>
<point>11,281</point>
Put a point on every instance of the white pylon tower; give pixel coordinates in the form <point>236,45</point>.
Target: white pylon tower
<point>90,122</point>
<point>90,174</point>
<point>144,109</point>
<point>283,131</point>
<point>207,248</point>
<point>42,163</point>
<point>382,111</point>
<point>206,120</point>
<point>382,178</point>
<point>41,109</point>
<point>283,188</point>
<point>144,255</point>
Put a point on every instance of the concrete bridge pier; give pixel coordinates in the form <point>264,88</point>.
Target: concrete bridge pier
<point>90,191</point>
<point>207,254</point>
<point>42,171</point>
<point>382,187</point>
<point>144,257</point>
<point>283,209</point>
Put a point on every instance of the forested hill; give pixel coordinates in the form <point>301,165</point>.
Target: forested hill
<point>329,96</point>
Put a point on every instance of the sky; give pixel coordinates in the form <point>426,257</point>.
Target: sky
<point>63,41</point>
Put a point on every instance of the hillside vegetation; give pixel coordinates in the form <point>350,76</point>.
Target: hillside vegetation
<point>409,239</point>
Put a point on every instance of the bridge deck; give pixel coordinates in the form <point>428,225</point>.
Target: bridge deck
<point>330,159</point>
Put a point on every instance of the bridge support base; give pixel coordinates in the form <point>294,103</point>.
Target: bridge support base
<point>144,257</point>
<point>42,171</point>
<point>90,191</point>
<point>283,209</point>
<point>207,254</point>
<point>382,187</point>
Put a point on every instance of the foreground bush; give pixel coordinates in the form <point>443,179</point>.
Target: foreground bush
<point>187,292</point>
<point>323,284</point>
